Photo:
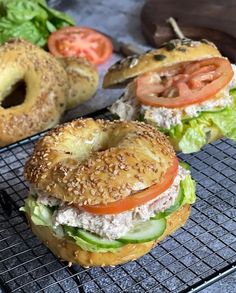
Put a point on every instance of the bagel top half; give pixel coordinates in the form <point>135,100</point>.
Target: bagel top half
<point>97,162</point>
<point>175,51</point>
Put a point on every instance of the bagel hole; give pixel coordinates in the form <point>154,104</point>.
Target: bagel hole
<point>15,96</point>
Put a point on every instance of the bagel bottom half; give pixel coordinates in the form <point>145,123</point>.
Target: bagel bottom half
<point>67,249</point>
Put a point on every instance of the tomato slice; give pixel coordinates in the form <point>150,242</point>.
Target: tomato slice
<point>184,84</point>
<point>138,198</point>
<point>80,42</point>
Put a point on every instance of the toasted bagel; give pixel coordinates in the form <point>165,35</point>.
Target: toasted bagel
<point>171,53</point>
<point>83,80</point>
<point>76,161</point>
<point>66,249</point>
<point>45,90</point>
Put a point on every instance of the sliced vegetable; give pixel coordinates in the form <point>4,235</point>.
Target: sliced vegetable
<point>95,239</point>
<point>138,198</point>
<point>184,84</point>
<point>72,232</point>
<point>144,232</point>
<point>80,42</point>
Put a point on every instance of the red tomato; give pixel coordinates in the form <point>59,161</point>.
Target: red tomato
<point>80,42</point>
<point>138,198</point>
<point>184,84</point>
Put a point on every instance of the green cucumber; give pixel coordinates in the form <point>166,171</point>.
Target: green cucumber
<point>100,242</point>
<point>144,232</point>
<point>173,208</point>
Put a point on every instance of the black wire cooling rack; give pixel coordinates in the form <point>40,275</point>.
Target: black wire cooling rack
<point>198,254</point>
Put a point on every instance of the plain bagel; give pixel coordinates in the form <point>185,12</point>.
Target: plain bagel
<point>77,159</point>
<point>83,80</point>
<point>175,51</point>
<point>45,90</point>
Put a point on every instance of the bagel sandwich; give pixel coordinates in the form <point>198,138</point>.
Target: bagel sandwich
<point>186,89</point>
<point>104,193</point>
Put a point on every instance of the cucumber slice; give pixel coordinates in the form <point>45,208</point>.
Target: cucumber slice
<point>173,208</point>
<point>100,242</point>
<point>144,232</point>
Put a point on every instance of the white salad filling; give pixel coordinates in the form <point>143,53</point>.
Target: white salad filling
<point>117,225</point>
<point>128,108</point>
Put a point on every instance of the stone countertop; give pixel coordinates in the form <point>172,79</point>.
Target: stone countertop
<point>121,20</point>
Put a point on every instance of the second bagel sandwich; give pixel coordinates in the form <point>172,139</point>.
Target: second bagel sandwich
<point>104,193</point>
<point>186,89</point>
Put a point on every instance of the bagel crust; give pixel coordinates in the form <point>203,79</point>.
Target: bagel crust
<point>83,80</point>
<point>67,249</point>
<point>46,87</point>
<point>171,53</point>
<point>97,161</point>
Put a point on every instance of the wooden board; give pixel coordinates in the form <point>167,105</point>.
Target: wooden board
<point>214,20</point>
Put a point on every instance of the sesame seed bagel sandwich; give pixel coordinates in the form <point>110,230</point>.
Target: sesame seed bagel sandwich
<point>104,193</point>
<point>185,88</point>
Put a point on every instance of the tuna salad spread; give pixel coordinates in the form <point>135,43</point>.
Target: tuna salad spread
<point>113,226</point>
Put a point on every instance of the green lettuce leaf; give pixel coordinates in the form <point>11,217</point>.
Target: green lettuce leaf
<point>194,137</point>
<point>21,11</point>
<point>39,213</point>
<point>187,195</point>
<point>184,165</point>
<point>31,20</point>
<point>188,187</point>
<point>193,133</point>
<point>57,16</point>
<point>226,122</point>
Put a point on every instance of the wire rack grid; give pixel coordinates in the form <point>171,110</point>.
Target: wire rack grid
<point>196,255</point>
